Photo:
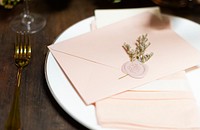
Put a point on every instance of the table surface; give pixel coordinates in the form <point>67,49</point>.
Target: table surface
<point>39,110</point>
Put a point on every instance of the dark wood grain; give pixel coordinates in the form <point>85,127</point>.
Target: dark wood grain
<point>39,110</point>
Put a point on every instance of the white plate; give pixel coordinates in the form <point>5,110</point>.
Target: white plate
<point>67,97</point>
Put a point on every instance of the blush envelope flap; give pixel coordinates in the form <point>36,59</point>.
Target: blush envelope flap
<point>92,61</point>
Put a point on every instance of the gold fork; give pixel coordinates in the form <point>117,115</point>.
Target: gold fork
<point>22,58</point>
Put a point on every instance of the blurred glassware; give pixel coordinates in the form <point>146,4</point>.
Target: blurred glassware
<point>28,22</point>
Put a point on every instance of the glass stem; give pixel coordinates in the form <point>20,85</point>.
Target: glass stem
<point>26,8</point>
<point>27,18</point>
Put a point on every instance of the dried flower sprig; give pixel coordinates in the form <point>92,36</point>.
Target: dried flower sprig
<point>139,52</point>
<point>136,69</point>
<point>131,52</point>
<point>141,45</point>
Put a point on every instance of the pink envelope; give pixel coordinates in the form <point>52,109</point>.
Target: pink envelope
<point>92,61</point>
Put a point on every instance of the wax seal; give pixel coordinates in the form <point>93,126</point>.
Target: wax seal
<point>134,69</point>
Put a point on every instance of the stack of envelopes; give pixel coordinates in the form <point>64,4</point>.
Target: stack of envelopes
<point>160,100</point>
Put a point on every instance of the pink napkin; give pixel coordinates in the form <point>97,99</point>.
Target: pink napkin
<point>151,110</point>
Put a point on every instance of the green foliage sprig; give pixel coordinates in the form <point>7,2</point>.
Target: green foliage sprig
<point>9,4</point>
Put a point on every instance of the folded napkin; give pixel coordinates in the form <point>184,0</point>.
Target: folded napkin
<point>151,109</point>
<point>163,104</point>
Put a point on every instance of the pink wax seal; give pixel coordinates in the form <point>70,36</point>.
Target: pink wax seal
<point>134,69</point>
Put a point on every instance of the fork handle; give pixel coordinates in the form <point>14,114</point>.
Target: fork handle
<point>13,121</point>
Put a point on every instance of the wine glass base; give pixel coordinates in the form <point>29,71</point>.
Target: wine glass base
<point>36,23</point>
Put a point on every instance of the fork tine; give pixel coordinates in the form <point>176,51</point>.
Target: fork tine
<point>17,41</point>
<point>28,47</point>
<point>21,42</point>
<point>24,44</point>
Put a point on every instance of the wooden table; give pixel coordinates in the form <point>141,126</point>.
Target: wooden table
<point>39,110</point>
